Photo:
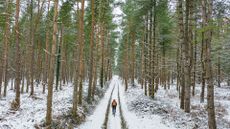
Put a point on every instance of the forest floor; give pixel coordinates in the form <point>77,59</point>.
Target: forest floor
<point>32,111</point>
<point>124,119</point>
<point>167,105</point>
<point>134,110</point>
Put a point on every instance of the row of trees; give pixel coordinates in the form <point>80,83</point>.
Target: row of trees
<point>52,43</point>
<point>163,45</point>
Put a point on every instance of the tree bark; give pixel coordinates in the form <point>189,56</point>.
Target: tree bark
<point>46,67</point>
<point>187,63</point>
<point>76,76</point>
<point>126,64</point>
<point>207,17</point>
<point>89,97</point>
<point>96,64</point>
<point>218,70</point>
<point>181,42</point>
<point>81,54</point>
<point>142,60</point>
<point>6,48</point>
<point>146,54</point>
<point>133,57</point>
<point>153,50</point>
<point>58,61</point>
<point>102,31</point>
<point>31,50</point>
<point>203,49</point>
<point>150,52</point>
<point>18,56</point>
<point>51,70</point>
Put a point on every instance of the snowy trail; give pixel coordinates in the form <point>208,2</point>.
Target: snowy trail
<point>135,122</point>
<point>130,119</point>
<point>114,122</point>
<point>96,120</point>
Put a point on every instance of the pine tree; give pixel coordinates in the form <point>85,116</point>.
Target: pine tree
<point>51,70</point>
<point>18,61</point>
<point>207,6</point>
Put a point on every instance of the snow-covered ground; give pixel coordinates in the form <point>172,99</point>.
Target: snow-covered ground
<point>96,120</point>
<point>137,121</point>
<point>134,111</point>
<point>114,122</point>
<point>132,120</point>
<point>33,109</point>
<point>167,105</point>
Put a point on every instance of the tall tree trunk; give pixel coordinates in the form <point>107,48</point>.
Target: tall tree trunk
<point>181,42</point>
<point>96,64</point>
<point>218,70</point>
<point>203,49</point>
<point>22,74</point>
<point>187,63</point>
<point>59,58</point>
<point>38,36</point>
<point>18,61</point>
<point>191,42</point>
<point>91,54</point>
<point>207,19</point>
<point>126,64</point>
<point>27,56</point>
<point>81,54</point>
<point>102,30</point>
<point>164,69</point>
<point>157,71</point>
<point>142,60</point>
<point>1,74</point>
<point>76,76</point>
<point>39,62</point>
<point>146,53</point>
<point>178,68</point>
<point>194,65</point>
<point>107,56</point>
<point>31,50</point>
<point>133,57</point>
<point>6,48</point>
<point>153,50</point>
<point>52,64</point>
<point>64,61</point>
<point>150,52</point>
<point>195,52</point>
<point>62,55</point>
<point>46,67</point>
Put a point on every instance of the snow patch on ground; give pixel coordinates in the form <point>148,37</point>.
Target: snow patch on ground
<point>136,119</point>
<point>167,105</point>
<point>33,109</point>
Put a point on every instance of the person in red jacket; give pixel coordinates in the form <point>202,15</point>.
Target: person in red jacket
<point>114,106</point>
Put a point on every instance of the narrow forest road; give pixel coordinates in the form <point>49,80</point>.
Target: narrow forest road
<point>114,122</point>
<point>98,119</point>
<point>102,117</point>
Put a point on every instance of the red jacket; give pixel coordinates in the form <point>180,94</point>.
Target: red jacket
<point>114,103</point>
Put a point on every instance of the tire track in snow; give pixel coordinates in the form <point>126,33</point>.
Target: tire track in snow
<point>104,126</point>
<point>96,120</point>
<point>114,122</point>
<point>117,121</point>
<point>123,121</point>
